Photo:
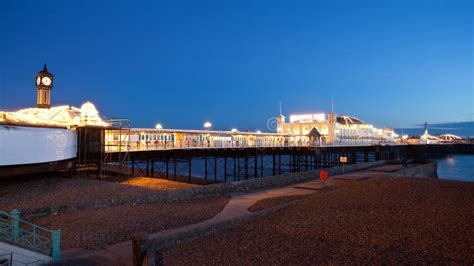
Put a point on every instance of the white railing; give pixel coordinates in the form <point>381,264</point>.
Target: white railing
<point>152,145</point>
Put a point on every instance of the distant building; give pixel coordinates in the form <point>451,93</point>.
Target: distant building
<point>426,138</point>
<point>333,130</point>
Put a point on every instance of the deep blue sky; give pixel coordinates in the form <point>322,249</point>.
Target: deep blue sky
<point>394,63</point>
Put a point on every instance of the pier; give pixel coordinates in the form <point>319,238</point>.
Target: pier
<point>225,160</point>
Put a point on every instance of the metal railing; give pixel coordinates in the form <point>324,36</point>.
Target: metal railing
<point>111,146</point>
<point>20,233</point>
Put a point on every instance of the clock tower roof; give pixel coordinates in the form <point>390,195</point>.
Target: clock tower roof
<point>44,72</point>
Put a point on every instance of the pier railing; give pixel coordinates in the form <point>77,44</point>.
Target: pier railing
<point>20,233</point>
<point>155,145</point>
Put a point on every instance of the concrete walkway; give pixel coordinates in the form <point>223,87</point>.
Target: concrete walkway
<point>121,253</point>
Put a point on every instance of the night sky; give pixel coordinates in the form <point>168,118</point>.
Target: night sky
<point>396,63</point>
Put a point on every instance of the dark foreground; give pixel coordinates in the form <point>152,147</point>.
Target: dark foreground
<point>394,220</point>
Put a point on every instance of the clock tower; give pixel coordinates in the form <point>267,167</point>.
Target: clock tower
<point>44,84</point>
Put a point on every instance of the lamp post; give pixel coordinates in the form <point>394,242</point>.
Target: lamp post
<point>207,125</point>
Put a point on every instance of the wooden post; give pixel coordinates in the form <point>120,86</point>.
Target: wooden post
<point>138,248</point>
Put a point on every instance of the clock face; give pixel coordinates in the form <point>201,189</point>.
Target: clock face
<point>38,81</point>
<point>46,81</point>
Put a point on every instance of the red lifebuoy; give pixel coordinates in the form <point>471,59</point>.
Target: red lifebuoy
<point>323,175</point>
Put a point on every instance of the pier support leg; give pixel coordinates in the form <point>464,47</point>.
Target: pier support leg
<point>215,169</point>
<point>235,169</point>
<point>290,161</point>
<point>274,164</point>
<point>255,166</point>
<point>152,168</point>
<point>175,166</point>
<point>246,167</point>
<point>279,164</point>
<point>238,169</point>
<point>205,169</point>
<point>189,169</point>
<point>147,173</point>
<point>133,167</point>
<point>225,169</point>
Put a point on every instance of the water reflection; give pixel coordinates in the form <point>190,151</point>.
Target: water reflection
<point>456,167</point>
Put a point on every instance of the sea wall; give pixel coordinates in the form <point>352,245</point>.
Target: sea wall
<point>426,168</point>
<point>202,191</point>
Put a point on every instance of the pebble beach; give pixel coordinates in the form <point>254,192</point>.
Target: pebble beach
<point>394,220</point>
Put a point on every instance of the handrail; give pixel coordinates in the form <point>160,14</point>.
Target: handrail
<point>21,233</point>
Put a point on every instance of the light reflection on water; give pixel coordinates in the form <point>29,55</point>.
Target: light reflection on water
<point>456,167</point>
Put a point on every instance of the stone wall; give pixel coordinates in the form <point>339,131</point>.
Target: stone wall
<point>425,169</point>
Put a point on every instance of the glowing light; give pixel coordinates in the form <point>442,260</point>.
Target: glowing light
<point>451,161</point>
<point>308,118</point>
<point>90,116</point>
<point>207,125</point>
<point>89,110</point>
<point>59,116</point>
<point>159,126</point>
<point>234,130</point>
<point>449,137</point>
<point>259,132</point>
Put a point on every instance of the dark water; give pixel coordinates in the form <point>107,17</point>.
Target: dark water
<point>456,167</point>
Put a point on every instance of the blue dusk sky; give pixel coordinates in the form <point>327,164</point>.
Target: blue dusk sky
<point>391,63</point>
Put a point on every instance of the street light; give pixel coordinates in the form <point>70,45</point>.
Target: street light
<point>207,125</point>
<point>259,132</point>
<point>234,130</point>
<point>159,126</point>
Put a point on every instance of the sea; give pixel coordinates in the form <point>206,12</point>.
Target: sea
<point>456,167</point>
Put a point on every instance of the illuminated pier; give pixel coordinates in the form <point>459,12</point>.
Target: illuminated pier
<point>48,138</point>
